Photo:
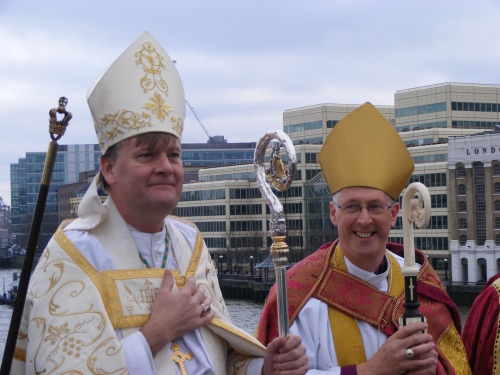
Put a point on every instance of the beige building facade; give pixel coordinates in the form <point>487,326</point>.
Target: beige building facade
<point>474,189</point>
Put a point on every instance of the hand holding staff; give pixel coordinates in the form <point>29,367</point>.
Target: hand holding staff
<point>418,211</point>
<point>56,130</point>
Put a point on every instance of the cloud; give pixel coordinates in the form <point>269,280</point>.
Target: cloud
<point>242,63</point>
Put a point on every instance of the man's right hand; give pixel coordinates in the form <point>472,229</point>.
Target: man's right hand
<point>174,314</point>
<point>391,357</point>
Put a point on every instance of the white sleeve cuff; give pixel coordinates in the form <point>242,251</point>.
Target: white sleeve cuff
<point>255,366</point>
<point>138,356</point>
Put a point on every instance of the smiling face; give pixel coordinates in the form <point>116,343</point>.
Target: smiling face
<point>362,235</point>
<point>145,179</point>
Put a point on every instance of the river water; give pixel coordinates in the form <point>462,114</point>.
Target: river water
<point>244,314</point>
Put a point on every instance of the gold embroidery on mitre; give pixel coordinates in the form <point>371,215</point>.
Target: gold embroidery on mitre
<point>177,124</point>
<point>126,120</point>
<point>158,106</point>
<point>152,63</point>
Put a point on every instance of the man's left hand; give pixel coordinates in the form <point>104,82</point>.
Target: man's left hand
<point>285,356</point>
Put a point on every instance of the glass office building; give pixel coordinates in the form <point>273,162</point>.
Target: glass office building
<point>25,177</point>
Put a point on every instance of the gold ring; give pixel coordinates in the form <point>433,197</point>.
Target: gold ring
<point>409,353</point>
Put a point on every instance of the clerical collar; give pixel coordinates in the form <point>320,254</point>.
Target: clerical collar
<point>382,267</point>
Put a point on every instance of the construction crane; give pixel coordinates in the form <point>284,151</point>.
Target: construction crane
<point>214,139</point>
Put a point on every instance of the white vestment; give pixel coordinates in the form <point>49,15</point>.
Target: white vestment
<point>90,294</point>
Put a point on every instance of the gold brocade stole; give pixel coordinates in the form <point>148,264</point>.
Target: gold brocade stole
<point>496,348</point>
<point>345,331</point>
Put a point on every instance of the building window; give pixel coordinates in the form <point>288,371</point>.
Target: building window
<point>478,170</point>
<point>439,200</point>
<point>438,222</point>
<point>481,223</point>
<point>462,206</point>
<point>244,193</point>
<point>496,188</point>
<point>497,223</point>
<point>461,171</point>
<point>480,238</point>
<point>330,124</point>
<point>462,240</point>
<point>497,239</point>
<point>497,205</point>
<point>496,170</point>
<point>246,225</point>
<point>480,206</point>
<point>245,209</point>
<point>461,189</point>
<point>429,180</point>
<point>462,223</point>
<point>311,157</point>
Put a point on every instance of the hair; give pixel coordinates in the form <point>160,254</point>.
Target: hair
<point>155,141</point>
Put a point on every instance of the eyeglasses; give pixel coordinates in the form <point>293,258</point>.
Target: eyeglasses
<point>373,209</point>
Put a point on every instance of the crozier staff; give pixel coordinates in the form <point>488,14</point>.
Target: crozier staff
<point>57,128</point>
<point>280,179</point>
<point>416,210</point>
<point>346,298</point>
<point>125,288</point>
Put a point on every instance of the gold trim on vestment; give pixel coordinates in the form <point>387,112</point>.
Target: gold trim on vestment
<point>80,261</point>
<point>230,328</point>
<point>195,258</point>
<point>20,354</point>
<point>117,306</point>
<point>127,308</point>
<point>450,343</point>
<point>496,348</point>
<point>349,346</point>
<point>106,281</point>
<point>346,334</point>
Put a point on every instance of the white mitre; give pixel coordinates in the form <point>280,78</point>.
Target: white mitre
<point>141,92</point>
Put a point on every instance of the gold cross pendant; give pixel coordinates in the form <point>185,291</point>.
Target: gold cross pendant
<point>179,357</point>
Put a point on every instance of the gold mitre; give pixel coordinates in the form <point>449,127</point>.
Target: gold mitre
<point>364,149</point>
<point>141,92</point>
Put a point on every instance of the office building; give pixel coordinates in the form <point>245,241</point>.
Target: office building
<point>25,177</point>
<point>474,190</point>
<point>435,122</point>
<point>426,117</point>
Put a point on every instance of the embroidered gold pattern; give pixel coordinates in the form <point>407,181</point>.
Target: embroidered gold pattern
<point>152,63</point>
<point>158,106</point>
<point>72,347</point>
<point>68,327</point>
<point>179,357</point>
<point>55,333</point>
<point>148,294</point>
<point>80,326</point>
<point>452,346</point>
<point>177,124</point>
<point>124,121</point>
<point>127,120</point>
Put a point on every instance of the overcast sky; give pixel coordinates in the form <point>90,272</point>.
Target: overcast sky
<point>242,62</point>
